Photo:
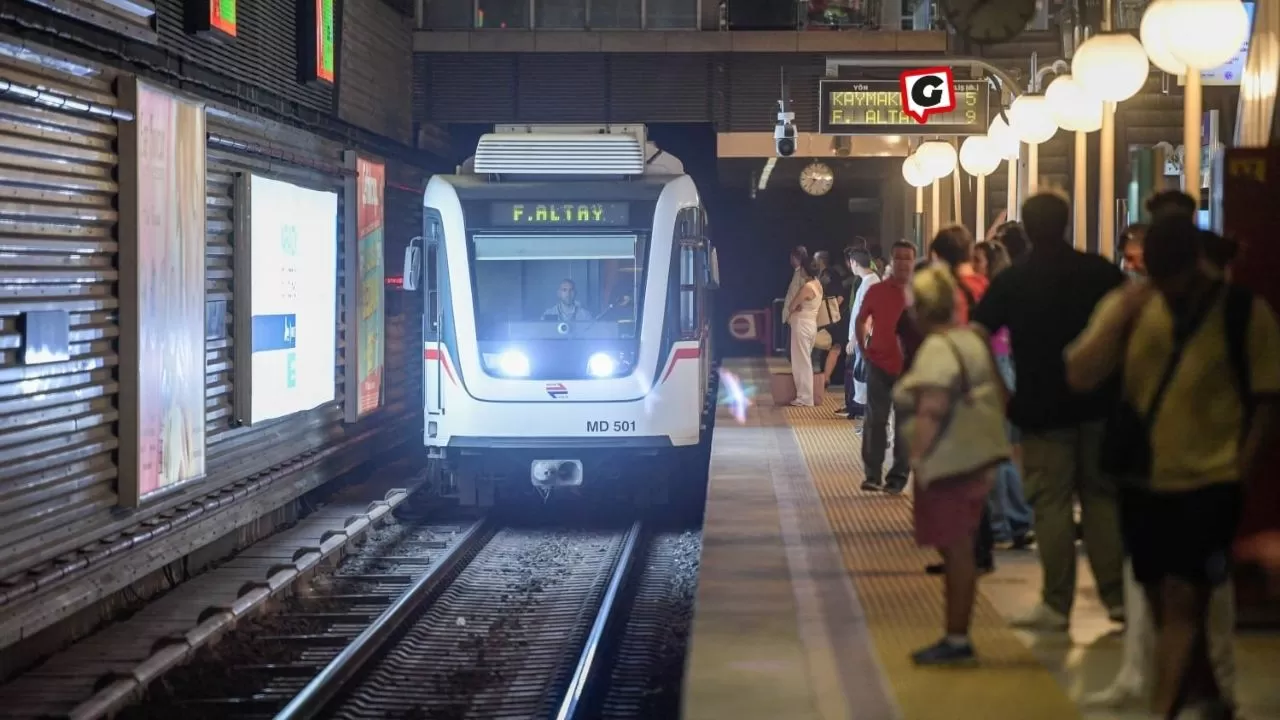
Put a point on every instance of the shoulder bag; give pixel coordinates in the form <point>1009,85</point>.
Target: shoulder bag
<point>1126,442</point>
<point>973,431</point>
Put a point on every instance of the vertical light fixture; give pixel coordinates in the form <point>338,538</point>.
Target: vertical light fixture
<point>1112,67</point>
<point>1075,110</point>
<point>1007,146</point>
<point>1032,123</point>
<point>979,158</point>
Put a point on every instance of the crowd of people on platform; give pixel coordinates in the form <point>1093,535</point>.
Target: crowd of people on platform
<point>1144,394</point>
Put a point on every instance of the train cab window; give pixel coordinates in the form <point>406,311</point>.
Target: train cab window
<point>557,286</point>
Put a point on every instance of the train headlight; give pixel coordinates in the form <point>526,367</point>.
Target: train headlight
<point>601,365</point>
<point>513,363</point>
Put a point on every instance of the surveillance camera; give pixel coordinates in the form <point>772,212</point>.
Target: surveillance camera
<point>784,132</point>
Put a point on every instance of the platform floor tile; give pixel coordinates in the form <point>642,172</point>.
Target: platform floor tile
<point>903,605</point>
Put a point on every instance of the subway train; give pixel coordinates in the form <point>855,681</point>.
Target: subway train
<point>566,276</point>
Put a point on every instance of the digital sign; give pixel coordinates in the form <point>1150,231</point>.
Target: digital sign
<point>366,290</point>
<point>316,40</point>
<point>874,107</point>
<point>560,214</point>
<point>292,270</point>
<point>211,17</point>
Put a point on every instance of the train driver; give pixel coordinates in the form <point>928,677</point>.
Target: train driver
<point>567,308</point>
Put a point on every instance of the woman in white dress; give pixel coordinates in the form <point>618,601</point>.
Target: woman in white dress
<point>802,315</point>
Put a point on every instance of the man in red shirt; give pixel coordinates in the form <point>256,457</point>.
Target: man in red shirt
<point>876,330</point>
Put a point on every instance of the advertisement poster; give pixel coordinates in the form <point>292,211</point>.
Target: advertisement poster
<point>370,325</point>
<point>293,279</point>
<point>166,304</point>
<point>324,40</point>
<point>222,16</point>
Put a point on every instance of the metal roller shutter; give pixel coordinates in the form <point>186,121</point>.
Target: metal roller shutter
<point>755,86</point>
<point>655,88</point>
<point>471,87</point>
<point>57,252</point>
<point>562,88</point>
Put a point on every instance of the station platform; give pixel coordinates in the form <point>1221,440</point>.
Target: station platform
<point>812,595</point>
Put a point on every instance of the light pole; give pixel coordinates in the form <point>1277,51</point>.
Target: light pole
<point>917,177</point>
<point>1005,145</point>
<point>938,159</point>
<point>1184,37</point>
<point>979,158</point>
<point>1111,67</point>
<point>1075,110</point>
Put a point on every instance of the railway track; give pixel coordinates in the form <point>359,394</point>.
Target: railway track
<point>458,622</point>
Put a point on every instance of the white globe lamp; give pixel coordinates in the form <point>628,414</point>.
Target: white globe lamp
<point>914,173</point>
<point>937,158</point>
<point>1030,119</point>
<point>1112,67</point>
<point>1072,108</point>
<point>1003,141</point>
<point>1154,33</point>
<point>1204,34</point>
<point>978,156</point>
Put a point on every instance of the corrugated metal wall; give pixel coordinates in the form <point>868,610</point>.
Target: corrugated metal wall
<point>376,42</point>
<point>58,249</point>
<point>569,87</point>
<point>262,53</point>
<point>57,252</point>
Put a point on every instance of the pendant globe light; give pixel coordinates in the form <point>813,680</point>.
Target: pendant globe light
<point>914,173</point>
<point>1073,109</point>
<point>1112,67</point>
<point>1030,120</point>
<point>937,158</point>
<point>1205,33</point>
<point>1003,141</point>
<point>1155,37</point>
<point>978,156</point>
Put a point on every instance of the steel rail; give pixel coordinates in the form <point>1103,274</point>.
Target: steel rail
<point>583,675</point>
<point>323,688</point>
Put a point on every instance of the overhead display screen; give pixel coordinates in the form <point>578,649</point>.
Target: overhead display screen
<point>560,214</point>
<point>874,107</point>
<point>293,281</point>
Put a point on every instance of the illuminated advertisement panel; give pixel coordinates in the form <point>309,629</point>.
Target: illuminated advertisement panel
<point>366,289</point>
<point>162,292</point>
<point>211,18</point>
<point>291,237</point>
<point>316,35</point>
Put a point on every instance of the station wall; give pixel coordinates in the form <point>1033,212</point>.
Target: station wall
<point>60,435</point>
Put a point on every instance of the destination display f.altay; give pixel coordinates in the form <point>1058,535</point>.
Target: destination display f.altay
<point>874,107</point>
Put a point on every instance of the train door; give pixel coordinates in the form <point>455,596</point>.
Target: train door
<point>434,349</point>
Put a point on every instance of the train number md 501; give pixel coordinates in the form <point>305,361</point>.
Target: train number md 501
<point>604,426</point>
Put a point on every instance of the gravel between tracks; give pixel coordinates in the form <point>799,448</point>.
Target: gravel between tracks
<point>648,664</point>
<point>502,641</point>
<point>258,667</point>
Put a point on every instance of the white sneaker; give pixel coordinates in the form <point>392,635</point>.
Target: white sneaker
<point>1041,617</point>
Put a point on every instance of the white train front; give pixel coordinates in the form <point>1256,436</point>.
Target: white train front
<point>566,275</point>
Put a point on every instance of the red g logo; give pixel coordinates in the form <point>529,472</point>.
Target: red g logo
<point>928,91</point>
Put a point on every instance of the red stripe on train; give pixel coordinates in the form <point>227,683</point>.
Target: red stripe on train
<point>443,359</point>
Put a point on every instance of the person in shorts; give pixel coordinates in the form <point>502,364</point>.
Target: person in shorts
<point>1211,403</point>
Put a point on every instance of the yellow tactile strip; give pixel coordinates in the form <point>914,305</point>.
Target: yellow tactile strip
<point>903,605</point>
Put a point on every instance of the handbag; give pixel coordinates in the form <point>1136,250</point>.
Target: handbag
<point>973,431</point>
<point>822,340</point>
<point>1126,443</point>
<point>828,311</point>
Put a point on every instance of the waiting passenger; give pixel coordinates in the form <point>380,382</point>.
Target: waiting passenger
<point>1201,431</point>
<point>953,399</point>
<point>1131,240</point>
<point>567,308</point>
<point>799,259</point>
<point>802,315</point>
<point>1046,302</point>
<point>855,374</point>
<point>875,328</point>
<point>1011,517</point>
